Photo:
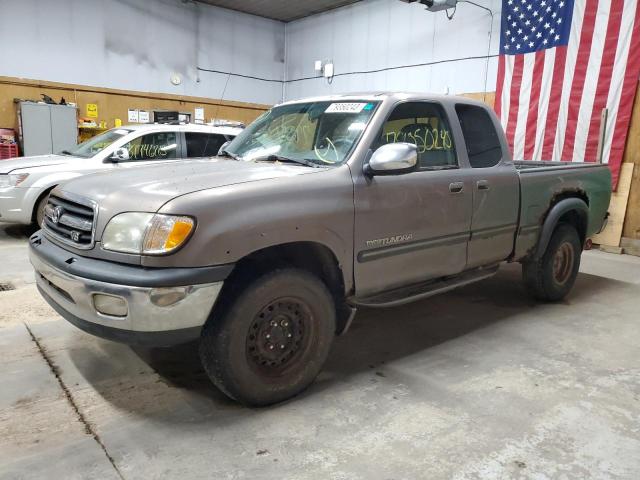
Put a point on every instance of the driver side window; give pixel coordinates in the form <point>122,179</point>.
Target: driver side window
<point>153,146</point>
<point>425,125</point>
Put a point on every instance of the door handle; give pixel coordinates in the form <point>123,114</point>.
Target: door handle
<point>482,185</point>
<point>456,187</point>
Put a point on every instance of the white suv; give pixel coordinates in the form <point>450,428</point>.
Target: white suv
<point>25,182</point>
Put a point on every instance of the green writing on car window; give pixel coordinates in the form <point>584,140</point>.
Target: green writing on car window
<point>145,150</point>
<point>326,150</point>
<point>425,138</point>
<point>286,127</point>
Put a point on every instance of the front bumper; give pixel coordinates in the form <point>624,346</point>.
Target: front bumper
<point>162,307</point>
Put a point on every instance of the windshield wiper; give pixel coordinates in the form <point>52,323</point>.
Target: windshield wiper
<point>279,158</point>
<point>66,152</point>
<point>225,153</point>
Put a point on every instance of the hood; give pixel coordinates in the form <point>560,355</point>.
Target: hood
<point>8,166</point>
<point>147,188</point>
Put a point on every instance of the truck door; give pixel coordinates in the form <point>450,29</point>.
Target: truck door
<point>496,188</point>
<point>414,226</point>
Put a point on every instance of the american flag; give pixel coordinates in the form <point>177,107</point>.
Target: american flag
<point>561,63</point>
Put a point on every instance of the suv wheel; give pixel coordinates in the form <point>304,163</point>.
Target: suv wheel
<point>271,341</point>
<point>552,276</point>
<point>39,216</point>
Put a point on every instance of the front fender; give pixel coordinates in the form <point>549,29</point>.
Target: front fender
<point>237,220</point>
<point>42,185</point>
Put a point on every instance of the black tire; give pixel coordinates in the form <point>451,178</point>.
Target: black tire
<point>270,342</point>
<point>551,277</point>
<point>39,212</point>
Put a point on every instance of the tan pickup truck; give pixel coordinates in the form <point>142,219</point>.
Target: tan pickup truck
<point>264,253</point>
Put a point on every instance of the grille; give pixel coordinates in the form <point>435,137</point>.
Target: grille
<point>70,221</point>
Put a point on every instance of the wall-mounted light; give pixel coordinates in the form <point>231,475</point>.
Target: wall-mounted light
<point>328,71</point>
<point>325,68</point>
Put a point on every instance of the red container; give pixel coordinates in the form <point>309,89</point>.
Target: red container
<point>9,150</point>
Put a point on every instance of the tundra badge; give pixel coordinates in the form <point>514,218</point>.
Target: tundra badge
<point>383,242</point>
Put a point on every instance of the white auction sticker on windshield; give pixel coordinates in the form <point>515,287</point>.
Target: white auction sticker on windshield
<point>345,107</point>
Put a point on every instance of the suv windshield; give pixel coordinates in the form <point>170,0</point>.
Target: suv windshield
<point>314,133</point>
<point>96,144</point>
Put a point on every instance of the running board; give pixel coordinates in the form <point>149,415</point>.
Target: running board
<point>418,291</point>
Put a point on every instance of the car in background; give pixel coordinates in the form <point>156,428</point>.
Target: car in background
<point>25,182</point>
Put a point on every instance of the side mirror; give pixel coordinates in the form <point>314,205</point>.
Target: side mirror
<point>223,147</point>
<point>393,159</point>
<point>119,155</point>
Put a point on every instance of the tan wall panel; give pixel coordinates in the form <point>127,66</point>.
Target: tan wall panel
<point>489,98</point>
<point>632,155</point>
<point>610,236</point>
<point>114,104</point>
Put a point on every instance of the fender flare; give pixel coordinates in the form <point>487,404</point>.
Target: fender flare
<point>44,192</point>
<point>557,211</point>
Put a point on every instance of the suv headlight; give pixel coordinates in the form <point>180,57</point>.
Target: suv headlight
<point>12,179</point>
<point>146,233</point>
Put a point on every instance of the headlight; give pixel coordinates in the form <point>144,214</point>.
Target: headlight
<point>146,233</point>
<point>13,179</point>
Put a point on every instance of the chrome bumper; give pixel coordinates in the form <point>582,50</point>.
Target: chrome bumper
<point>73,298</point>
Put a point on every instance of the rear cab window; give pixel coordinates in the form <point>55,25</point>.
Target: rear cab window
<point>480,136</point>
<point>201,144</point>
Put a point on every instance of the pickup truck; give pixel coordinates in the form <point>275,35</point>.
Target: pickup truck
<point>25,182</point>
<point>319,207</point>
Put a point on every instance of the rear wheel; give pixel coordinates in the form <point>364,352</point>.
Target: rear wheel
<point>271,341</point>
<point>552,276</point>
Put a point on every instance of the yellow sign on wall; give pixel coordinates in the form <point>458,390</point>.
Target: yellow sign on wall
<point>92,110</point>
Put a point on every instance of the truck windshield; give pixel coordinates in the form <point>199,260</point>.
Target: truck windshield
<point>314,133</point>
<point>96,144</point>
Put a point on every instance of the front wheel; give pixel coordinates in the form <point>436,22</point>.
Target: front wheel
<point>551,277</point>
<point>39,214</point>
<point>271,341</point>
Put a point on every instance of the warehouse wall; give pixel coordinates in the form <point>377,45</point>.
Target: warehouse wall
<point>138,44</point>
<point>377,34</point>
<point>114,104</point>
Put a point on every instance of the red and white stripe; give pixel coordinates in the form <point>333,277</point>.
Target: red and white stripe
<point>550,102</point>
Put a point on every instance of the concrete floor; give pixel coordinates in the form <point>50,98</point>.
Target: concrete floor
<point>478,383</point>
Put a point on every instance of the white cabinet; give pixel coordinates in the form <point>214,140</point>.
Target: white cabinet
<point>46,128</point>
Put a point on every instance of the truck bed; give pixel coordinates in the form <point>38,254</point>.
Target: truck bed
<point>541,183</point>
<point>525,166</point>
